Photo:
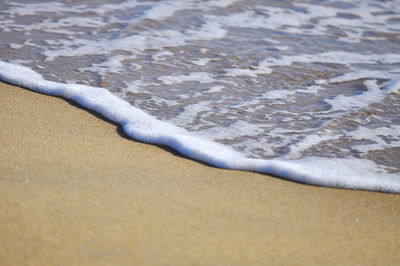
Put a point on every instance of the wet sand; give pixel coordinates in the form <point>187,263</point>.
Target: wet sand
<point>74,190</point>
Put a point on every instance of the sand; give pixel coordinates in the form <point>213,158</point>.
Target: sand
<point>74,190</point>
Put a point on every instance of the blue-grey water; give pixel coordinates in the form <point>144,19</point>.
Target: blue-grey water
<point>287,79</point>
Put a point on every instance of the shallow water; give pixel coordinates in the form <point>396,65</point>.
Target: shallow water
<point>283,79</point>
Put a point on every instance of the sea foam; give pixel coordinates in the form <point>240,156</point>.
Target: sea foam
<point>332,172</point>
<point>274,87</point>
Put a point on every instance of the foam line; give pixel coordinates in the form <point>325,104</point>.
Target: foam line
<point>344,173</point>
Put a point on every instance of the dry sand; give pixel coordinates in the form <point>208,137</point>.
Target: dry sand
<point>75,191</point>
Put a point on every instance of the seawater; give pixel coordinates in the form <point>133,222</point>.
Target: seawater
<point>306,90</point>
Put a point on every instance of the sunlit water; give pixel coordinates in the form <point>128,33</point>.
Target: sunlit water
<point>287,79</point>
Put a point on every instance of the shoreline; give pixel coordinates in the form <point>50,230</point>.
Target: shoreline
<point>140,126</point>
<point>75,191</point>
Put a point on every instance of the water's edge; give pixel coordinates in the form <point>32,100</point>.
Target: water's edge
<point>146,128</point>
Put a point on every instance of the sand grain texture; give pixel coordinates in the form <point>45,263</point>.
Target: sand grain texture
<point>74,191</point>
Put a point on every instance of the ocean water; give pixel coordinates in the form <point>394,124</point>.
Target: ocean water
<point>305,90</point>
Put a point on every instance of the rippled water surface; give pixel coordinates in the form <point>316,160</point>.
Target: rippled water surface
<point>285,79</point>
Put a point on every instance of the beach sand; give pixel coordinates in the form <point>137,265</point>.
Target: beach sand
<point>74,190</point>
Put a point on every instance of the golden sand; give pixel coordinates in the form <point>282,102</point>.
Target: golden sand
<point>75,191</point>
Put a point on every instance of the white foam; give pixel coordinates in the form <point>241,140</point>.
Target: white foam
<point>201,77</point>
<point>360,74</point>
<point>323,18</point>
<point>346,173</point>
<point>277,94</point>
<point>135,86</point>
<point>202,61</point>
<point>215,89</point>
<point>232,72</point>
<point>393,86</point>
<point>164,9</point>
<point>190,112</point>
<point>113,64</point>
<point>373,94</point>
<point>375,135</point>
<point>32,9</point>
<point>157,56</point>
<point>334,57</point>
<point>221,3</point>
<point>308,142</point>
<point>135,43</point>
